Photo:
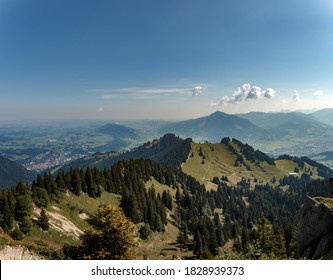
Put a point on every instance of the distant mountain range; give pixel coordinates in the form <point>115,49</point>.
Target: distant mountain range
<point>293,133</point>
<point>216,126</point>
<point>282,125</point>
<point>324,116</point>
<point>12,172</point>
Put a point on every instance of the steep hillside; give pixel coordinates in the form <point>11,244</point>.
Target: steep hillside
<point>11,172</point>
<point>176,216</point>
<point>168,150</point>
<point>204,161</point>
<point>145,191</point>
<point>235,161</point>
<point>216,126</point>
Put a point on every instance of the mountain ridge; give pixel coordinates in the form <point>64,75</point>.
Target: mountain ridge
<point>118,131</point>
<point>204,161</point>
<point>167,150</point>
<point>228,181</point>
<point>324,115</point>
<point>12,172</point>
<point>215,126</point>
<point>289,124</point>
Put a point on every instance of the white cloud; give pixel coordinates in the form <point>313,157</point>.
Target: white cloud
<point>318,94</point>
<point>254,93</point>
<point>296,98</point>
<point>247,92</point>
<point>100,109</point>
<point>237,96</point>
<point>246,87</point>
<point>269,93</point>
<point>198,90</point>
<point>224,101</point>
<point>144,93</point>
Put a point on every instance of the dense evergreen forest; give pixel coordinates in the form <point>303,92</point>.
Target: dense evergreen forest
<point>255,219</point>
<point>168,150</point>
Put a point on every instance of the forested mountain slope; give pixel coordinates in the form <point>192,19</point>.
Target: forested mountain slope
<point>168,150</point>
<point>251,206</point>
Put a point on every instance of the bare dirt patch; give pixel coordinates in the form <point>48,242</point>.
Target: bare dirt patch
<point>62,224</point>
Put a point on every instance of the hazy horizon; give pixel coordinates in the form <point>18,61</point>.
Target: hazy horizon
<point>174,60</point>
<point>122,121</point>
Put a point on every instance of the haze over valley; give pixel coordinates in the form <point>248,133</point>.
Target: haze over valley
<point>188,129</point>
<point>45,145</point>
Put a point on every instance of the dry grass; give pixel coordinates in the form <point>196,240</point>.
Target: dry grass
<point>162,246</point>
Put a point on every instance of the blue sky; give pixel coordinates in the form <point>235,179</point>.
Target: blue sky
<point>128,59</point>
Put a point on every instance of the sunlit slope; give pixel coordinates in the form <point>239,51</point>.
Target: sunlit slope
<point>207,160</point>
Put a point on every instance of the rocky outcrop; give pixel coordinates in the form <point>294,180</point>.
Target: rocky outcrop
<point>17,253</point>
<point>316,229</point>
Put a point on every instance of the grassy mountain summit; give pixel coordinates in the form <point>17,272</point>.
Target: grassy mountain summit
<point>204,161</point>
<point>236,161</point>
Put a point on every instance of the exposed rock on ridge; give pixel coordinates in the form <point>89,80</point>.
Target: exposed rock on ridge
<point>316,229</point>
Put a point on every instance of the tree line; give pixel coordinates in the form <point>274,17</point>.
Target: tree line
<point>248,215</point>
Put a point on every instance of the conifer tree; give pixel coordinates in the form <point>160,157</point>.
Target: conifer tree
<point>20,189</point>
<point>265,235</point>
<point>60,180</point>
<point>219,234</point>
<point>145,231</point>
<point>167,199</point>
<point>113,237</point>
<point>40,197</point>
<point>6,212</point>
<point>25,225</point>
<point>199,248</point>
<point>76,183</point>
<point>43,220</point>
<point>49,184</point>
<point>23,207</point>
<point>279,244</point>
